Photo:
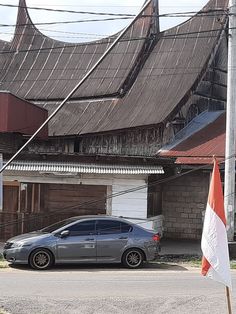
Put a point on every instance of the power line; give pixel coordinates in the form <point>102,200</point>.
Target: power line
<point>56,31</point>
<point>94,20</point>
<point>127,191</point>
<point>172,14</point>
<point>82,35</point>
<point>101,42</point>
<point>104,77</point>
<point>66,11</point>
<point>69,22</point>
<point>104,198</point>
<point>208,13</point>
<point>146,68</point>
<point>185,35</point>
<point>97,35</point>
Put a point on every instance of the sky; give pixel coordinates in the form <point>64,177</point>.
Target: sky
<point>89,31</point>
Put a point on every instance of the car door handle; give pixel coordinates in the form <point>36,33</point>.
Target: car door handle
<point>123,238</point>
<point>89,239</point>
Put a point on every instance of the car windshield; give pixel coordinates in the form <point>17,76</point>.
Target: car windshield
<point>58,225</point>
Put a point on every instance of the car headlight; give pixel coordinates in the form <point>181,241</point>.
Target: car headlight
<point>19,244</point>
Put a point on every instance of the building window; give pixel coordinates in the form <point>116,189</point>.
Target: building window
<point>77,145</point>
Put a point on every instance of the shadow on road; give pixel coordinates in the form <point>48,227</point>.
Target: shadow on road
<point>106,267</point>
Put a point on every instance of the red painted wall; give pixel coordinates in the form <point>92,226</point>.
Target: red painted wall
<point>20,116</point>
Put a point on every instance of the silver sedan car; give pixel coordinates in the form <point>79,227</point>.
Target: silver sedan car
<point>84,239</point>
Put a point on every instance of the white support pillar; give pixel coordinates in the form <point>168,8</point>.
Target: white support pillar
<point>229,187</point>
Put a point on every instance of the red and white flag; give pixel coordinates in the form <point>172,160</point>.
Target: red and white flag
<point>214,244</point>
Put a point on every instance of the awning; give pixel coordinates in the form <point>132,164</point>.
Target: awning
<point>200,144</point>
<point>74,168</point>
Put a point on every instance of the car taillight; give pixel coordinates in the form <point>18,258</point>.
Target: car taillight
<point>156,237</point>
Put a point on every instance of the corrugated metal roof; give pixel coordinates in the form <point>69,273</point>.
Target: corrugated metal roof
<point>202,145</point>
<point>198,123</point>
<point>196,160</point>
<point>73,168</point>
<point>44,68</point>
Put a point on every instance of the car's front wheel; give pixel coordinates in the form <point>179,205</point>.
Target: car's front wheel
<point>133,258</point>
<point>41,259</point>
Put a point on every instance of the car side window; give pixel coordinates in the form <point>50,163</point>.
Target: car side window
<point>108,227</point>
<point>83,228</point>
<point>125,228</point>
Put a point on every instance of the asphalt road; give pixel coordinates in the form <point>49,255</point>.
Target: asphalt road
<point>110,289</point>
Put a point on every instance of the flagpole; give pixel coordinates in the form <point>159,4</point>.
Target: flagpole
<point>228,300</point>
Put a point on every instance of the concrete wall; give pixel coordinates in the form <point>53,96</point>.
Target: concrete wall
<point>184,203</point>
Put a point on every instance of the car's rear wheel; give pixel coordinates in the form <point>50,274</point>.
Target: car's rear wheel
<point>133,258</point>
<point>41,259</point>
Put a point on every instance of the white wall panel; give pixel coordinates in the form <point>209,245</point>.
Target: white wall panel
<point>133,204</point>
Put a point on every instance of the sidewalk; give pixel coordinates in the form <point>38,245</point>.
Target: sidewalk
<point>180,247</point>
<point>170,247</point>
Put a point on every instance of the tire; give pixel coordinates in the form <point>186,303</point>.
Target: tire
<point>133,258</point>
<point>41,259</point>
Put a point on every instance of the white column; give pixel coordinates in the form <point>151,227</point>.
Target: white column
<point>229,188</point>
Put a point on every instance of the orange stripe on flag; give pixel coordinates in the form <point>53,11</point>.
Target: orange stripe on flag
<point>215,198</point>
<point>205,266</point>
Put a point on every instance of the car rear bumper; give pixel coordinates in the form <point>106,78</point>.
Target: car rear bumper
<point>153,252</point>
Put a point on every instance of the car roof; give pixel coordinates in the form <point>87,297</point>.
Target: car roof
<point>98,217</point>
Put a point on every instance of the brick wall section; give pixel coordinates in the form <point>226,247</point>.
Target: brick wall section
<point>184,201</point>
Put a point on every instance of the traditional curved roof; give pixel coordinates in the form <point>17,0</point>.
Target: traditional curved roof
<point>164,83</point>
<point>170,74</point>
<point>41,68</point>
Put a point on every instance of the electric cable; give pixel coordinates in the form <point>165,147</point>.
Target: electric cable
<point>172,14</point>
<point>88,203</point>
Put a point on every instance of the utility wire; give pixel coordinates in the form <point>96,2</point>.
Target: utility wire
<point>185,35</point>
<point>209,13</point>
<point>101,42</point>
<point>104,77</point>
<point>127,191</point>
<point>79,34</point>
<point>92,20</point>
<point>66,11</point>
<point>173,14</point>
<point>69,22</point>
<point>100,37</point>
<point>115,68</point>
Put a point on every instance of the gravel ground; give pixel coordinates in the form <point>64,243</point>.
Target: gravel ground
<point>168,305</point>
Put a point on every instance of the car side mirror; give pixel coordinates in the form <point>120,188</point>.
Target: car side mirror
<point>64,233</point>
